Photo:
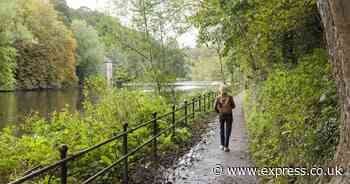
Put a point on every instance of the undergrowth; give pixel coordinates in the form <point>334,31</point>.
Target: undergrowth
<point>37,141</point>
<point>293,120</point>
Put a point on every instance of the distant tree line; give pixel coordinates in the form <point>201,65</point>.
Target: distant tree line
<point>49,45</point>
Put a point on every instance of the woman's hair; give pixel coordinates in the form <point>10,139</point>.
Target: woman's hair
<point>223,90</point>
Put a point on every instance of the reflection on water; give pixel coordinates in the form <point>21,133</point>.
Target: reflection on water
<point>14,106</point>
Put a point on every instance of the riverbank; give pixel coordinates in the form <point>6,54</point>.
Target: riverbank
<point>18,105</point>
<point>41,137</point>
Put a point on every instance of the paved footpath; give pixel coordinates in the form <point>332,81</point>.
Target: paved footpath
<point>201,170</point>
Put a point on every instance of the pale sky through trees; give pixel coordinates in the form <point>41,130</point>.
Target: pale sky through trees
<point>88,3</point>
<point>186,40</point>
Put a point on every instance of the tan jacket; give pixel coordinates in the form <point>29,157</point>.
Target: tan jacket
<point>224,104</point>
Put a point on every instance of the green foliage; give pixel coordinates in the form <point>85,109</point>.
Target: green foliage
<point>90,51</point>
<point>273,47</point>
<point>104,115</point>
<point>163,61</point>
<point>129,49</point>
<point>64,12</point>
<point>294,121</point>
<point>52,42</point>
<point>206,69</point>
<point>124,46</point>
<point>7,68</point>
<point>121,74</point>
<point>37,50</point>
<point>204,64</point>
<point>256,33</point>
<point>8,32</point>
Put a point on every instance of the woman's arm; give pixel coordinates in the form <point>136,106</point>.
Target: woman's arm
<point>216,105</point>
<point>233,105</point>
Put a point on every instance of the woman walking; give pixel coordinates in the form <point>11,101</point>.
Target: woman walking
<point>224,104</point>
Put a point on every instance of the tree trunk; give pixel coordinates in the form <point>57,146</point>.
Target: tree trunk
<point>336,21</point>
<point>221,68</point>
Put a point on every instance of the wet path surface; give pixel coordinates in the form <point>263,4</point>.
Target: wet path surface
<point>196,167</point>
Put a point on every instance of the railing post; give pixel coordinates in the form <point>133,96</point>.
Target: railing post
<point>193,108</point>
<point>125,152</point>
<point>155,132</point>
<point>204,104</point>
<point>211,104</point>
<point>173,119</point>
<point>64,169</point>
<point>208,99</point>
<point>186,111</point>
<point>214,98</point>
<point>200,103</point>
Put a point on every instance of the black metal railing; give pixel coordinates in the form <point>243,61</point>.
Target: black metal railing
<point>202,103</point>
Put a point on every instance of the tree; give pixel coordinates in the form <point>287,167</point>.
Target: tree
<point>278,47</point>
<point>257,31</point>
<point>204,64</point>
<point>129,48</point>
<point>7,68</point>
<point>336,21</point>
<point>51,48</point>
<point>63,10</point>
<point>9,31</point>
<point>153,19</point>
<point>90,51</point>
<point>144,19</point>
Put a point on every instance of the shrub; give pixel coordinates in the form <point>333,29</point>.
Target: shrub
<point>105,111</point>
<point>294,120</point>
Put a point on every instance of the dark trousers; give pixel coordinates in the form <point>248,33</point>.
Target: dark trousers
<point>225,128</point>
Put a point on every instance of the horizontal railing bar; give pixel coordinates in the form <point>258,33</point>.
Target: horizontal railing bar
<point>37,172</point>
<point>139,126</point>
<point>181,119</point>
<point>149,122</point>
<point>92,178</point>
<point>77,155</point>
<point>58,163</point>
<point>32,169</point>
<point>164,115</point>
<point>47,168</point>
<point>180,107</point>
<point>146,123</point>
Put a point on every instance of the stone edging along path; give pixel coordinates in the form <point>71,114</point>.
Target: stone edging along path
<point>205,163</point>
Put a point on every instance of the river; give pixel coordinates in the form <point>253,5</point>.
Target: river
<point>15,106</point>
